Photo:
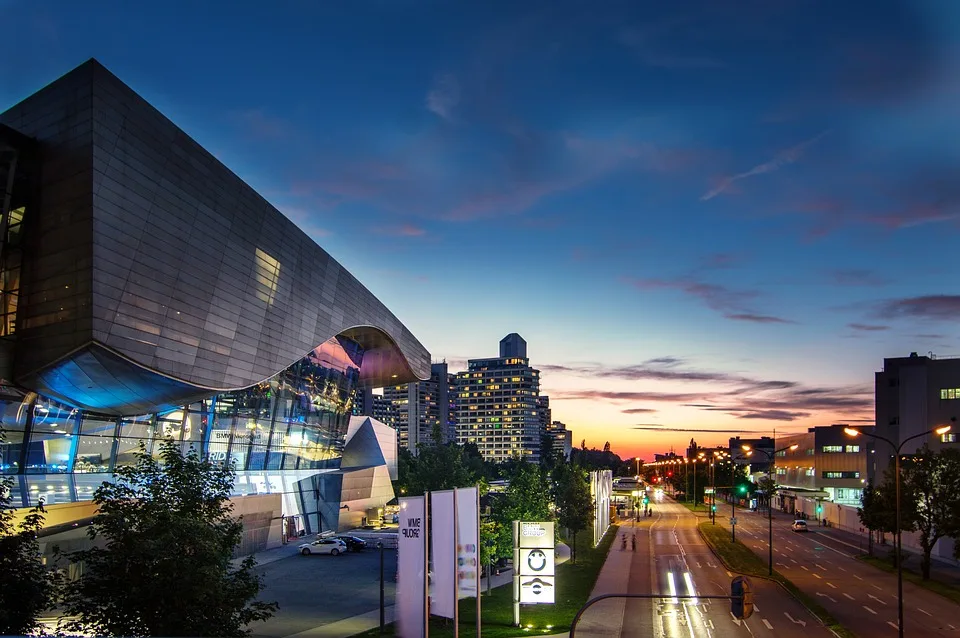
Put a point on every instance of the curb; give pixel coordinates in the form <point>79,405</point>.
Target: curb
<point>774,580</point>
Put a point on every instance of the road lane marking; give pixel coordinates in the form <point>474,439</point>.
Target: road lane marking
<point>870,610</point>
<point>843,570</point>
<point>893,624</point>
<point>818,576</point>
<point>767,623</point>
<point>820,566</point>
<point>876,587</point>
<point>920,610</point>
<point>792,561</point>
<point>876,599</point>
<point>832,585</point>
<point>672,586</point>
<point>756,609</point>
<point>857,577</point>
<point>804,567</point>
<point>849,596</point>
<point>802,623</point>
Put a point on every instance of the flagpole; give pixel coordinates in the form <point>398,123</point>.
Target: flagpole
<point>478,561</point>
<point>426,565</point>
<point>456,567</point>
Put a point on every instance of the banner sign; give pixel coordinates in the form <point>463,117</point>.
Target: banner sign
<point>443,554</point>
<point>533,559</point>
<point>468,543</point>
<point>410,610</point>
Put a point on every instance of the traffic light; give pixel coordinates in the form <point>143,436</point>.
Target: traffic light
<point>819,509</point>
<point>741,603</point>
<point>714,508</point>
<point>669,474</point>
<point>743,489</point>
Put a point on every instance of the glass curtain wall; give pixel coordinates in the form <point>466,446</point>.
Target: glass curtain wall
<point>296,420</point>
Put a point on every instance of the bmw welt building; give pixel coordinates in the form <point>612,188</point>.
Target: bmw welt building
<point>148,292</point>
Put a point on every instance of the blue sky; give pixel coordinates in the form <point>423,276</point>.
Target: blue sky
<point>717,215</point>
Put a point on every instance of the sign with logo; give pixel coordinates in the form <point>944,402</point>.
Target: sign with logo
<point>410,609</point>
<point>708,490</point>
<point>533,558</point>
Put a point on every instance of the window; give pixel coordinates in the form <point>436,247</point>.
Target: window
<point>781,470</point>
<point>811,472</point>
<point>949,437</point>
<point>948,394</point>
<point>832,448</point>
<point>852,449</point>
<point>841,475</point>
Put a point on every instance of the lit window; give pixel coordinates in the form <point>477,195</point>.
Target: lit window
<point>833,448</point>
<point>853,449</point>
<point>841,475</point>
<point>949,437</point>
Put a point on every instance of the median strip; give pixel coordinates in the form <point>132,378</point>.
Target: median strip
<point>739,558</point>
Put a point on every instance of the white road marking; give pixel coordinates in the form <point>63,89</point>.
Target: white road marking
<point>877,587</point>
<point>792,561</point>
<point>843,570</point>
<point>920,610</point>
<point>820,566</point>
<point>818,576</point>
<point>870,610</point>
<point>890,622</point>
<point>951,626</point>
<point>804,567</point>
<point>858,578</point>
<point>767,623</point>
<point>832,585</point>
<point>802,623</point>
<point>876,599</point>
<point>756,609</point>
<point>849,596</point>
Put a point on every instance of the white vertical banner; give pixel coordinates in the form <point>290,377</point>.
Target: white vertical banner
<point>443,551</point>
<point>411,606</point>
<point>468,545</point>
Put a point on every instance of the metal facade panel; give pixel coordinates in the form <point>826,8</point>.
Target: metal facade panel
<point>183,269</point>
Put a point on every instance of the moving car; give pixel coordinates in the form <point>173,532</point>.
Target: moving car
<point>331,546</point>
<point>799,526</point>
<point>353,543</point>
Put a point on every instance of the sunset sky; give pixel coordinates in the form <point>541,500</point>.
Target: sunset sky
<point>716,215</point>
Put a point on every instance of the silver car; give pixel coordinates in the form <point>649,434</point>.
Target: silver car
<point>332,546</point>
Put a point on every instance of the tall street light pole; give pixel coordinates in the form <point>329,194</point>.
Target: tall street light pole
<point>896,459</point>
<point>773,462</point>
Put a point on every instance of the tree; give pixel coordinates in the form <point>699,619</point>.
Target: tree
<point>574,502</point>
<point>526,498</point>
<point>931,481</point>
<point>877,510</point>
<point>164,566</point>
<point>27,587</point>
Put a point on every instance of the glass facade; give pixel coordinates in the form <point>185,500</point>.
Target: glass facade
<point>278,435</point>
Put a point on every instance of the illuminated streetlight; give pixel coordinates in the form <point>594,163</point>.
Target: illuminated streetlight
<point>896,449</point>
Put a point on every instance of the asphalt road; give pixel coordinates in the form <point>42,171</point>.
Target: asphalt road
<point>670,557</point>
<point>317,590</point>
<point>861,597</point>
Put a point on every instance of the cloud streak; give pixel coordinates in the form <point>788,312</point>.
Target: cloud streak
<point>929,307</point>
<point>781,159</point>
<point>736,305</point>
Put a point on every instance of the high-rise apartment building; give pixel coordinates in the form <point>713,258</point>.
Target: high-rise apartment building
<point>561,440</point>
<point>544,413</point>
<point>914,395</point>
<point>498,408</point>
<point>417,409</point>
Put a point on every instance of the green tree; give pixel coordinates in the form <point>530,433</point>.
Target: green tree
<point>164,566</point>
<point>931,482</point>
<point>877,510</point>
<point>27,587</point>
<point>526,498</point>
<point>574,503</point>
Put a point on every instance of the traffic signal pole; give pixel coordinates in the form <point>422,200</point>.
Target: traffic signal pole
<point>733,502</point>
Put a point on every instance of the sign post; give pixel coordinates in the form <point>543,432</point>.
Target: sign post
<point>412,606</point>
<point>534,580</point>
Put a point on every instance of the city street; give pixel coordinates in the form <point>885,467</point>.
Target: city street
<point>861,597</point>
<point>671,557</point>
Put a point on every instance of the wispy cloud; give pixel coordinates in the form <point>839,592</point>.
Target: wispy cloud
<point>638,411</point>
<point>444,95</point>
<point>856,277</point>
<point>932,307</point>
<point>867,327</point>
<point>610,395</point>
<point>781,159</point>
<point>736,305</point>
<point>403,230</point>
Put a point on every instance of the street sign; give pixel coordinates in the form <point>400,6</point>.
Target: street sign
<point>708,490</point>
<point>733,520</point>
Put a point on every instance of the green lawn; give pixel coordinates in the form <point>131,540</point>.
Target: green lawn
<point>740,559</point>
<point>947,591</point>
<point>574,584</point>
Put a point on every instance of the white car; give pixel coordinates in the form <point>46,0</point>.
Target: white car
<point>799,526</point>
<point>331,546</point>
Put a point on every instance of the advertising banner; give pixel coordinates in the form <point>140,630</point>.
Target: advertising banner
<point>410,610</point>
<point>443,552</point>
<point>468,545</point>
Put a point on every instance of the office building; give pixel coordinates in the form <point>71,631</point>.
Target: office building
<point>914,395</point>
<point>761,458</point>
<point>826,466</point>
<point>561,440</point>
<point>497,404</point>
<point>148,292</point>
<point>544,413</point>
<point>423,409</point>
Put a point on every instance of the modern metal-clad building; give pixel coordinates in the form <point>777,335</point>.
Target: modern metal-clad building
<point>147,291</point>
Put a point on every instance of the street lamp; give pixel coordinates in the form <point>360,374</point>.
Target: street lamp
<point>896,459</point>
<point>772,458</point>
<point>638,466</point>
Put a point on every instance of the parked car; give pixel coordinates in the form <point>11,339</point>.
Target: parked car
<point>331,546</point>
<point>799,526</point>
<point>353,543</point>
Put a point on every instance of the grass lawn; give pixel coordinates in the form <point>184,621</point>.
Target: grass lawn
<point>947,591</point>
<point>574,584</point>
<point>740,559</point>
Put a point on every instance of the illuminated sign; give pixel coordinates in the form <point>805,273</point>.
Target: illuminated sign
<point>533,558</point>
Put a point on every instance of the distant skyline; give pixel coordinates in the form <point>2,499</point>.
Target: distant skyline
<point>718,216</point>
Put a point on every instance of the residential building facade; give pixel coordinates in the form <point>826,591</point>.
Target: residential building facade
<point>497,404</point>
<point>418,410</point>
